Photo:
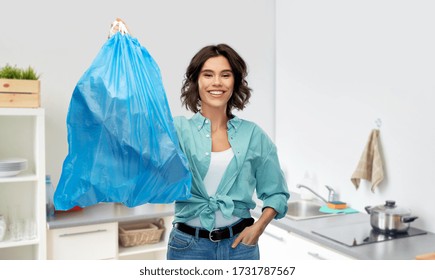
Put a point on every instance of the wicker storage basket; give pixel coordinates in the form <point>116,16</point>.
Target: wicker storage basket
<point>141,233</point>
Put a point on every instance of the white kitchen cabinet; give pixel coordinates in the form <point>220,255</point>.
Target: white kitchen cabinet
<point>91,242</point>
<point>279,244</point>
<point>309,250</point>
<point>100,241</point>
<point>274,244</point>
<point>22,197</point>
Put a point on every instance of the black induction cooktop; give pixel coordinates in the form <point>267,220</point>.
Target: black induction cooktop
<point>361,234</point>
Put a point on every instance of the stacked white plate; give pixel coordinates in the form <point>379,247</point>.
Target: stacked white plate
<point>12,166</point>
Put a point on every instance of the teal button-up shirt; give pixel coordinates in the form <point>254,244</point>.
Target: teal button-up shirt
<point>255,166</point>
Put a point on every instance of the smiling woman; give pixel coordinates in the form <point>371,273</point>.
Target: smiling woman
<point>216,83</point>
<point>225,58</point>
<point>229,159</point>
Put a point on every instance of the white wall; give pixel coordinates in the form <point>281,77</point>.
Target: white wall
<point>61,38</point>
<point>341,65</point>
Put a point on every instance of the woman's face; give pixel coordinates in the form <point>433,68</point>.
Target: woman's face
<point>215,83</point>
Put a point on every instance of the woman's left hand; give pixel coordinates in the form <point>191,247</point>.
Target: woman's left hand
<point>249,236</point>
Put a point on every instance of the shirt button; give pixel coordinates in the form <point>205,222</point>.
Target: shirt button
<point>206,121</point>
<point>207,153</point>
<point>199,126</point>
<point>208,135</point>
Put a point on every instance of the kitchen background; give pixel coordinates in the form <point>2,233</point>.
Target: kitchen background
<point>322,72</point>
<point>341,65</point>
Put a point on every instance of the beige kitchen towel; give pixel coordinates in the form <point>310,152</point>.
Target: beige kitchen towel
<point>370,166</point>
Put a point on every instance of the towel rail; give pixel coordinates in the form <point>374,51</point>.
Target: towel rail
<point>378,123</point>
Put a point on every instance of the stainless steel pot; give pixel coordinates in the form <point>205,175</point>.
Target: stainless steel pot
<point>390,219</point>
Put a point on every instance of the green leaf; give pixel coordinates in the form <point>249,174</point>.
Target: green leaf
<point>13,72</point>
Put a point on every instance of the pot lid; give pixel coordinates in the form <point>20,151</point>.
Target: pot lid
<point>391,208</point>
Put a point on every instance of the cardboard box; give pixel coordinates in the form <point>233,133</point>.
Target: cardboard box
<point>20,93</point>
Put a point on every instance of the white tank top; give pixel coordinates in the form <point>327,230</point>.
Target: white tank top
<point>218,164</point>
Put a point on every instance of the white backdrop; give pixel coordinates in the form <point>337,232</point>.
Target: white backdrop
<point>61,38</point>
<point>340,66</point>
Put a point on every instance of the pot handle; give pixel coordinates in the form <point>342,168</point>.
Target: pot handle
<point>409,219</point>
<point>368,209</point>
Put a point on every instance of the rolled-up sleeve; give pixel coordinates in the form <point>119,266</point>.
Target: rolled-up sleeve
<point>271,184</point>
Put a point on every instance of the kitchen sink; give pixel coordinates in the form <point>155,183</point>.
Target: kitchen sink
<point>305,209</point>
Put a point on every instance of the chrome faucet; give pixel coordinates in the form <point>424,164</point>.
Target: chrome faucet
<point>331,193</point>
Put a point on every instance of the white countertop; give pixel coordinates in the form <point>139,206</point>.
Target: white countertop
<point>403,248</point>
<point>108,212</point>
<point>397,249</point>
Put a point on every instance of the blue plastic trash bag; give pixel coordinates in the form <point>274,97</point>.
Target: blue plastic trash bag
<point>122,144</point>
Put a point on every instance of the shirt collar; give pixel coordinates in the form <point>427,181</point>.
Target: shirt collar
<point>234,123</point>
<point>199,120</point>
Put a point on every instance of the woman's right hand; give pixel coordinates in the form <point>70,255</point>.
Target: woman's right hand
<point>114,27</point>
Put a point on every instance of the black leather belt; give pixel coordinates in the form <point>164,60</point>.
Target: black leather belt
<point>216,234</point>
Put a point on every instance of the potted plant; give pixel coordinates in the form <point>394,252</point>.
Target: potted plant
<point>19,87</point>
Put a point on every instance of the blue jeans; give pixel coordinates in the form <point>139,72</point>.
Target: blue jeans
<point>183,246</point>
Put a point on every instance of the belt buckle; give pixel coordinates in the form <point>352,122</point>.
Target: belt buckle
<point>210,235</point>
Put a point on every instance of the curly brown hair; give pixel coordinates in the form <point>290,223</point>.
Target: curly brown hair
<point>241,93</point>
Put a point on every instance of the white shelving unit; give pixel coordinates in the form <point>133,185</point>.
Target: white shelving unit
<point>93,232</point>
<point>100,241</point>
<point>22,197</point>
